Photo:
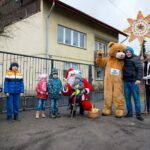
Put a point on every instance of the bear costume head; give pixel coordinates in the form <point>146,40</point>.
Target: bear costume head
<point>116,50</point>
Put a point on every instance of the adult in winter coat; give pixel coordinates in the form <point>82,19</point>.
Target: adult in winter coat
<point>132,76</point>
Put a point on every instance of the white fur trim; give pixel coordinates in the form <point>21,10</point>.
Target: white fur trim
<point>70,73</point>
<point>120,55</point>
<point>83,97</point>
<point>88,91</point>
<point>13,77</point>
<point>65,91</point>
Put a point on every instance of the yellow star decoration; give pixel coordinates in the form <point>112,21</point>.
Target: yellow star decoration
<point>139,28</point>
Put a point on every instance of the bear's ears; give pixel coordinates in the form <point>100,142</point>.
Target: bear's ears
<point>110,44</point>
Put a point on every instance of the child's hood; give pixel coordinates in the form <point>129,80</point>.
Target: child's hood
<point>54,70</point>
<point>79,77</point>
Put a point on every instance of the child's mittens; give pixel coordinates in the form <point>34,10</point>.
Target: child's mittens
<point>76,86</point>
<point>41,92</point>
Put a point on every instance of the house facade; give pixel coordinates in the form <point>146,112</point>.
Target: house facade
<point>60,32</point>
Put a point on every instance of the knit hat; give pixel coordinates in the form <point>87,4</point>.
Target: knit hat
<point>78,76</point>
<point>129,49</point>
<point>13,64</point>
<point>42,76</point>
<point>54,70</point>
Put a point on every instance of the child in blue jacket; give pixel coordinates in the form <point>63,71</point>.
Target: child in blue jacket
<point>54,91</point>
<point>13,88</point>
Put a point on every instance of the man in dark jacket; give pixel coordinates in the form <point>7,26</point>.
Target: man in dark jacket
<point>132,76</point>
<point>147,82</point>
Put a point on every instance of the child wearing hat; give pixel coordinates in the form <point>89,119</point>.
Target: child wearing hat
<point>13,88</point>
<point>42,95</point>
<point>54,91</point>
<point>77,87</point>
<point>76,97</point>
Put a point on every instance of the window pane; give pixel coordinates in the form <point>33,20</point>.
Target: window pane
<point>100,46</point>
<point>75,38</point>
<point>60,34</point>
<point>82,40</point>
<point>96,45</point>
<point>75,66</point>
<point>67,36</point>
<point>67,65</point>
<point>99,74</point>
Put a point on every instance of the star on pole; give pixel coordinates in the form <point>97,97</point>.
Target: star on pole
<point>139,28</point>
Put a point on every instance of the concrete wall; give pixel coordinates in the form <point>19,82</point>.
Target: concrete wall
<point>25,36</point>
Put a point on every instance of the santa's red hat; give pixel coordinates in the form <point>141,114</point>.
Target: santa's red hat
<point>68,72</point>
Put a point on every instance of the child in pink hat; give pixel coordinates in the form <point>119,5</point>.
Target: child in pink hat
<point>42,95</point>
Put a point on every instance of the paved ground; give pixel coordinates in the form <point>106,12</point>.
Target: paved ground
<point>105,133</point>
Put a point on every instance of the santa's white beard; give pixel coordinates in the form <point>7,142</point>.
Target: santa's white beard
<point>71,80</point>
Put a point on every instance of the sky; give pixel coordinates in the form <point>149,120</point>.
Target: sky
<point>115,13</point>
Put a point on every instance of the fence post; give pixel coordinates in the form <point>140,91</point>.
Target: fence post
<point>90,78</point>
<point>52,64</point>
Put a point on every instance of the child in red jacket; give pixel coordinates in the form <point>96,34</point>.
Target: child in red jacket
<point>42,95</point>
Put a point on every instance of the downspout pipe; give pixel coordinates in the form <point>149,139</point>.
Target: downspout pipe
<point>46,30</point>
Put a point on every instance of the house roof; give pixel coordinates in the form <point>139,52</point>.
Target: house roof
<point>73,10</point>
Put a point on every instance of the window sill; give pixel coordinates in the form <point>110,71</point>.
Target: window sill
<point>71,46</point>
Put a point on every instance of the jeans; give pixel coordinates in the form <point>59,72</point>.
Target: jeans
<point>13,102</point>
<point>54,102</point>
<point>131,89</point>
<point>147,88</point>
<point>41,103</point>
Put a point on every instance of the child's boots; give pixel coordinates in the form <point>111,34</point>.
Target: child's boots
<point>43,114</point>
<point>37,115</point>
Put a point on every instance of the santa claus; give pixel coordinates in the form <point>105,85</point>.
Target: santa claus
<point>68,90</point>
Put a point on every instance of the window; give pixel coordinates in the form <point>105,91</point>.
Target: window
<point>60,34</point>
<point>68,65</point>
<point>100,45</point>
<point>99,74</point>
<point>75,38</point>
<point>68,36</point>
<point>71,37</point>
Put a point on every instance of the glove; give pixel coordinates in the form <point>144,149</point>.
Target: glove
<point>145,77</point>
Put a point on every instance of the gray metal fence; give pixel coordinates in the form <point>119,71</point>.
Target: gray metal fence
<point>31,67</point>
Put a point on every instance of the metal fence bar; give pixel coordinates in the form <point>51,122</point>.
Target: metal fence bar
<point>31,67</point>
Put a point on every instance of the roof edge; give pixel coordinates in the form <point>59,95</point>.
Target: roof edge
<point>86,16</point>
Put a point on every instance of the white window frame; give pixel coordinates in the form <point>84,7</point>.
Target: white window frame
<point>72,30</point>
<point>103,45</point>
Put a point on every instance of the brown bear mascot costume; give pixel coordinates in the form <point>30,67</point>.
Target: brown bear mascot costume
<point>113,84</point>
